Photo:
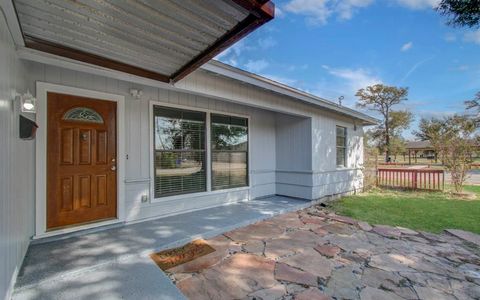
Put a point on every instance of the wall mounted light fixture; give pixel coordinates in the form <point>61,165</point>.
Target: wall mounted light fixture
<point>28,103</point>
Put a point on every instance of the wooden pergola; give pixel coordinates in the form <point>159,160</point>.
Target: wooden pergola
<point>419,146</point>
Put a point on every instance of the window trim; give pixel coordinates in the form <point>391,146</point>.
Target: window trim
<point>208,162</point>
<point>345,159</point>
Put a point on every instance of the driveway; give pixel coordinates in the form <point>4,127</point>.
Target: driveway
<point>311,255</point>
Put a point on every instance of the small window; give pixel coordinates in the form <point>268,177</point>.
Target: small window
<point>229,152</point>
<point>179,151</point>
<point>341,146</point>
<point>83,114</point>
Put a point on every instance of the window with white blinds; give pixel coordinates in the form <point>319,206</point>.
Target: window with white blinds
<point>229,140</point>
<point>179,151</point>
<point>341,146</point>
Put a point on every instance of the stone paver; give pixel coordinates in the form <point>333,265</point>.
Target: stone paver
<point>284,272</point>
<point>311,261</point>
<point>364,226</point>
<point>345,283</point>
<point>275,292</point>
<point>311,294</point>
<point>465,235</point>
<point>233,278</point>
<point>327,250</point>
<point>312,254</point>
<point>370,293</point>
<point>387,231</point>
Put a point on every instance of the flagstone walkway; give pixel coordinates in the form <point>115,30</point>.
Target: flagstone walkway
<point>311,255</point>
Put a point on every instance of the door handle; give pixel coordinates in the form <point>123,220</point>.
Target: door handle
<point>113,168</point>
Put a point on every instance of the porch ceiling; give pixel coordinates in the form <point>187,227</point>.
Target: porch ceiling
<point>163,40</point>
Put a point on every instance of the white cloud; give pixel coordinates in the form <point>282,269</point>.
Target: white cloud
<point>472,37</point>
<point>348,81</point>
<point>348,7</point>
<point>278,12</point>
<point>237,54</point>
<point>296,67</point>
<point>232,52</point>
<point>414,67</point>
<point>450,37</point>
<point>319,11</point>
<point>256,66</point>
<point>462,68</point>
<point>267,42</point>
<point>356,78</point>
<point>419,4</point>
<point>406,47</point>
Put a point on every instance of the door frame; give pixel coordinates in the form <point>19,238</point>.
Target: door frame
<point>42,88</point>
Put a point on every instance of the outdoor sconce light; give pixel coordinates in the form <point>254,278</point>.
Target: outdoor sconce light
<point>28,103</point>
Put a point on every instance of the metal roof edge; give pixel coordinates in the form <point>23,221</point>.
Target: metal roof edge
<point>220,68</point>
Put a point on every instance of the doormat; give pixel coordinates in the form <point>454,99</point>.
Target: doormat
<point>173,257</point>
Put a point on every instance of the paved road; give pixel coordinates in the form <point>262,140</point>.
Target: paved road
<point>473,177</point>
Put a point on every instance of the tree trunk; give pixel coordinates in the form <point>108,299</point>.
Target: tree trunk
<point>387,137</point>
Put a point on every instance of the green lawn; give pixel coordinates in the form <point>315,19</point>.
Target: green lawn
<point>432,212</point>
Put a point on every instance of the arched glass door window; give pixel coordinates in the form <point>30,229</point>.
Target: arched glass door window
<point>83,114</point>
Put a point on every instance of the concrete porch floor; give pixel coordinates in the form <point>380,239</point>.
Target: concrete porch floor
<point>114,263</point>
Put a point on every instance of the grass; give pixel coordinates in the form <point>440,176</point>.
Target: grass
<point>428,211</point>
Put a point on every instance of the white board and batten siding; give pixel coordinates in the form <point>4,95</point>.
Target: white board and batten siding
<point>138,145</point>
<point>292,144</point>
<point>16,167</point>
<point>320,177</point>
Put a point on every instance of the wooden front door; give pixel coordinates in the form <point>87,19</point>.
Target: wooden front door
<point>81,160</point>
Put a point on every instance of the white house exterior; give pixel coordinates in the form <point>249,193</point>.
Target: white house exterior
<point>289,142</point>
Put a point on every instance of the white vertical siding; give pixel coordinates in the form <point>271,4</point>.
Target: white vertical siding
<point>292,144</point>
<point>294,156</point>
<point>327,178</point>
<point>262,139</point>
<point>16,167</point>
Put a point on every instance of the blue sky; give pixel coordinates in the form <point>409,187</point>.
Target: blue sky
<point>332,48</point>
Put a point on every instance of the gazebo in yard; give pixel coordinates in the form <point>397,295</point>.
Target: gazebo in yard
<point>422,149</point>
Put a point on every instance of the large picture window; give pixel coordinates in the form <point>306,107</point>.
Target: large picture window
<point>341,146</point>
<point>229,140</point>
<point>179,151</point>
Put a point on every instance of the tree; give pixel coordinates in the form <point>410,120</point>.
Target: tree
<point>370,162</point>
<point>397,146</point>
<point>381,98</point>
<point>454,139</point>
<point>461,12</point>
<point>474,104</point>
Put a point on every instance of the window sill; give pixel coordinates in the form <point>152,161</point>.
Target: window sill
<point>199,194</point>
